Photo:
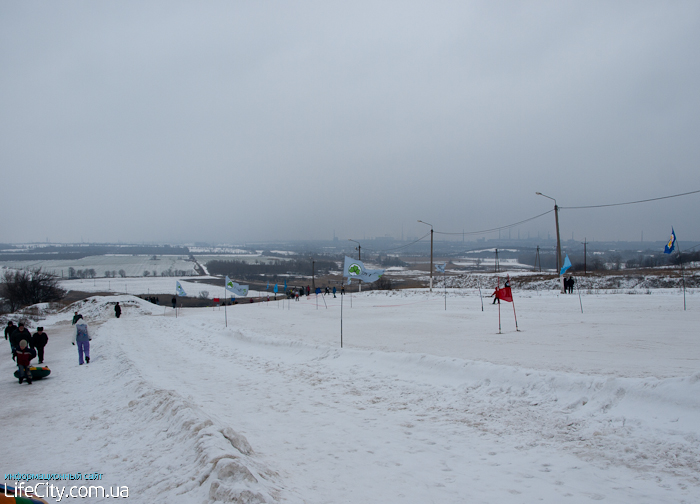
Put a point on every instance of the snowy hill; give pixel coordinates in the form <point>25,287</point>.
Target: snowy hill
<point>259,403</point>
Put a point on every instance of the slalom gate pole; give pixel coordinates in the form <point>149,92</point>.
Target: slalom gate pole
<point>445,282</point>
<point>341,321</point>
<point>175,304</point>
<point>324,301</point>
<point>317,301</point>
<point>680,259</point>
<point>514,315</point>
<point>579,295</point>
<point>478,280</point>
<point>498,286</point>
<point>499,317</point>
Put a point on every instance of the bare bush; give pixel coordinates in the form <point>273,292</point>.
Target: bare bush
<point>23,288</point>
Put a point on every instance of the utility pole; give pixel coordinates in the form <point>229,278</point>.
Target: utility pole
<point>495,264</point>
<point>585,271</point>
<point>431,253</point>
<point>556,222</point>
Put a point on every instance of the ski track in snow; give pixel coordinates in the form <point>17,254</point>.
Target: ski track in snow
<point>185,410</point>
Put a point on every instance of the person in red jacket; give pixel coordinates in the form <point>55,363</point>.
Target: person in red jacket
<point>24,354</point>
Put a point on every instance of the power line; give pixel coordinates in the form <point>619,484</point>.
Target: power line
<point>401,247</point>
<point>498,228</point>
<point>629,202</point>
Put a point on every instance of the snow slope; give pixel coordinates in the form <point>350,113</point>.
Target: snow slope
<point>421,404</point>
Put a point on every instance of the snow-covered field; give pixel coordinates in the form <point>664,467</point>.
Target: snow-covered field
<point>421,404</point>
<point>132,265</point>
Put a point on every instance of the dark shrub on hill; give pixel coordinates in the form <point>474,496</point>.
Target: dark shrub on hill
<point>23,288</point>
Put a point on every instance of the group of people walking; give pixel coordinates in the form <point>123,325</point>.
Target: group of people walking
<point>25,347</point>
<point>300,291</point>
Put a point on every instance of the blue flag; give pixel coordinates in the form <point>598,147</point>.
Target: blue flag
<point>268,285</point>
<point>275,289</point>
<point>179,290</point>
<point>671,243</point>
<point>567,265</point>
<point>441,267</point>
<point>285,285</point>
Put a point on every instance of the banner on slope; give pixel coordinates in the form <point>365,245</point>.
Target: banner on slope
<point>179,290</point>
<point>238,290</point>
<point>441,267</point>
<point>355,268</point>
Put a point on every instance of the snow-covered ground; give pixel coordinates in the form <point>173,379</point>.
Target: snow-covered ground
<point>421,404</point>
<point>145,286</point>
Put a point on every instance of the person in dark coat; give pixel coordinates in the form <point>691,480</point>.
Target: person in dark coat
<point>39,341</point>
<point>117,310</point>
<point>174,301</point>
<point>21,333</point>
<point>76,317</point>
<point>9,330</point>
<point>25,354</point>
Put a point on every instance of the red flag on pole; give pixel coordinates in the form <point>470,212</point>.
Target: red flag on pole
<point>505,293</point>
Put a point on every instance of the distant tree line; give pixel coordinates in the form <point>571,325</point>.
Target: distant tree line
<point>173,272</point>
<point>81,273</point>
<point>22,288</point>
<point>253,271</point>
<point>113,273</point>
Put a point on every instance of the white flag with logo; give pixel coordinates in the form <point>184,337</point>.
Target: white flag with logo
<point>356,269</point>
<point>238,290</point>
<point>180,291</point>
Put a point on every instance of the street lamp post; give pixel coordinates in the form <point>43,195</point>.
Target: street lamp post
<point>431,253</point>
<point>358,248</point>
<point>556,222</point>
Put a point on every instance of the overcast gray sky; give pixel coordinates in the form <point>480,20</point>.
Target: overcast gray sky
<point>238,121</point>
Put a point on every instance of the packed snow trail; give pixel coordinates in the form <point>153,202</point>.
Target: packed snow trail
<point>103,417</point>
